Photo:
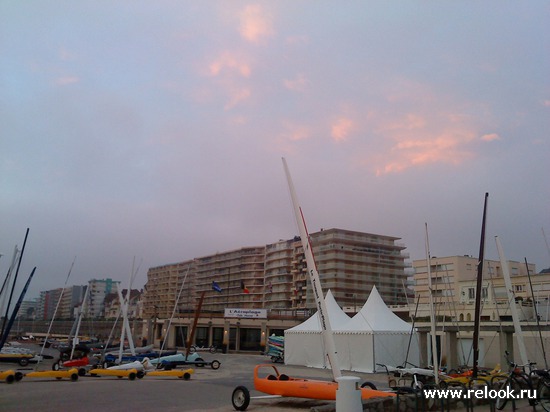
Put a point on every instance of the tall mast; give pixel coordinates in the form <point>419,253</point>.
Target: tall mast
<point>79,321</point>
<point>512,303</point>
<point>479,286</point>
<point>432,311</point>
<point>315,281</point>
<point>174,311</point>
<point>15,279</point>
<point>536,313</point>
<point>7,330</point>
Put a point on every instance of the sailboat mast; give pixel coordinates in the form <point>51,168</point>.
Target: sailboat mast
<point>432,311</point>
<point>174,310</point>
<point>7,330</point>
<point>512,302</point>
<point>79,321</point>
<point>479,286</point>
<point>536,313</point>
<point>315,281</point>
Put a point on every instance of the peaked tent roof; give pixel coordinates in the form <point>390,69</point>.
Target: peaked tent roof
<point>336,316</point>
<point>375,316</point>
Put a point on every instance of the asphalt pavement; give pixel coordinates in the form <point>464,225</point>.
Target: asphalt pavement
<point>208,390</point>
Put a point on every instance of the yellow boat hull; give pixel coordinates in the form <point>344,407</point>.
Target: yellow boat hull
<point>71,374</point>
<point>131,374</point>
<point>182,374</point>
<point>7,376</point>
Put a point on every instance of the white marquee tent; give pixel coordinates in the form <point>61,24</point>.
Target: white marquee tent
<point>304,343</point>
<point>375,335</point>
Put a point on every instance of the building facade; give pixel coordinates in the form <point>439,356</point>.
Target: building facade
<point>95,301</point>
<point>71,299</point>
<point>273,278</point>
<point>453,280</point>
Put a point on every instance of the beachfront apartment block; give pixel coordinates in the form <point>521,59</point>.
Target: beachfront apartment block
<point>274,276</point>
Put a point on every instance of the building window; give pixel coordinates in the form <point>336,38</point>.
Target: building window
<point>471,293</point>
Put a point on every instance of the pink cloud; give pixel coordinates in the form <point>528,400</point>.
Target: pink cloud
<point>255,24</point>
<point>65,80</point>
<point>490,137</point>
<point>416,139</point>
<point>294,132</point>
<point>297,84</point>
<point>230,62</point>
<point>341,129</point>
<point>236,96</point>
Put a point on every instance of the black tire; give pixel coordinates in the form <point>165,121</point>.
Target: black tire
<point>543,393</point>
<point>213,349</point>
<point>215,364</point>
<point>368,385</point>
<point>81,372</point>
<point>186,376</point>
<point>200,363</point>
<point>132,376</point>
<point>18,376</point>
<point>10,378</point>
<point>192,349</point>
<point>417,385</point>
<point>140,374</point>
<point>56,365</point>
<point>23,361</point>
<point>240,398</point>
<point>505,385</point>
<point>74,377</point>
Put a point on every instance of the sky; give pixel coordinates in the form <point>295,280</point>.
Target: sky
<point>135,134</point>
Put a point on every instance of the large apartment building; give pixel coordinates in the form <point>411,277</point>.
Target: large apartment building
<point>274,277</point>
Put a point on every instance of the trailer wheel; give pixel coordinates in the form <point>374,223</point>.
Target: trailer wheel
<point>23,361</point>
<point>369,385</point>
<point>55,365</point>
<point>140,374</point>
<point>132,376</point>
<point>240,398</point>
<point>10,379</point>
<point>186,376</point>
<point>199,364</point>
<point>74,377</point>
<point>18,376</point>
<point>215,364</point>
<point>82,372</point>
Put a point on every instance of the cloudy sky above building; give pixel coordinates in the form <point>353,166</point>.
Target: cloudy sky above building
<point>153,131</point>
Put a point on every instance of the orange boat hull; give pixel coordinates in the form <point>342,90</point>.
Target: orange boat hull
<point>280,384</point>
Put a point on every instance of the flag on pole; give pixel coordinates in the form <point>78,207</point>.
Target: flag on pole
<point>216,287</point>
<point>244,288</point>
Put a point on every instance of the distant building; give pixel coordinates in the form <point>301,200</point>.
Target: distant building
<point>27,310</point>
<point>453,281</point>
<point>72,298</point>
<point>99,289</point>
<point>112,304</point>
<point>47,302</point>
